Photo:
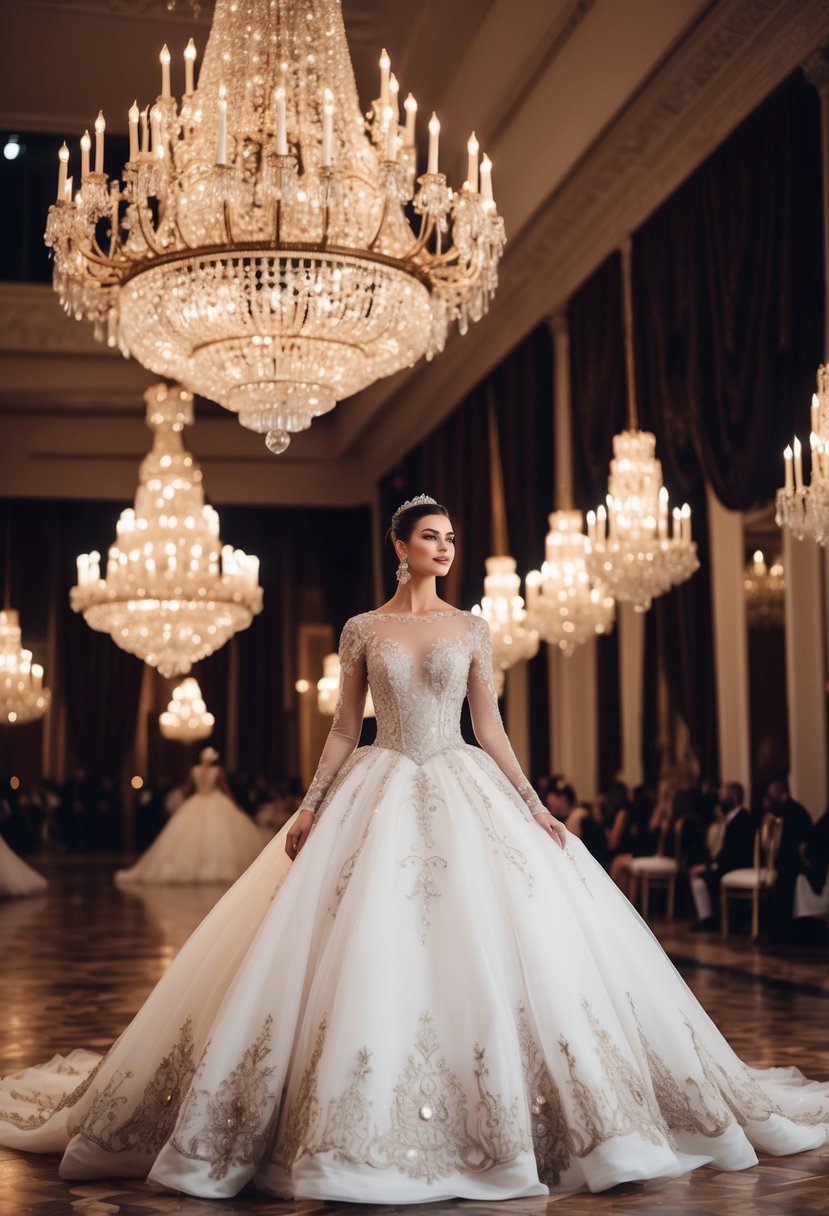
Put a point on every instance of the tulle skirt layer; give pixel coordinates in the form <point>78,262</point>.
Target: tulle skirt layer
<point>434,1001</point>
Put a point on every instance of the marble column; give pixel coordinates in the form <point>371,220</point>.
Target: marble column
<point>574,718</point>
<point>727,542</point>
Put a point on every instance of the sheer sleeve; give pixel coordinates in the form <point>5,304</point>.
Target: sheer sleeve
<point>486,717</point>
<point>348,716</point>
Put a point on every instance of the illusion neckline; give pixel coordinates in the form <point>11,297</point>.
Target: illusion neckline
<point>421,616</point>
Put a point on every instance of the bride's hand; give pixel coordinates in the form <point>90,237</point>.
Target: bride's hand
<point>549,824</point>
<point>299,833</point>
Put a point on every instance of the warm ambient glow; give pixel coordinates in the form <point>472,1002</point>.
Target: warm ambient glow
<point>565,603</point>
<point>22,695</point>
<point>172,592</point>
<point>802,508</point>
<point>261,252</point>
<point>186,719</point>
<point>514,636</point>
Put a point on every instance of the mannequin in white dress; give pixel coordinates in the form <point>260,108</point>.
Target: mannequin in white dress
<point>423,988</point>
<point>207,839</point>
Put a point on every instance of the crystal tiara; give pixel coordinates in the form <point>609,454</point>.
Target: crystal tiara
<point>419,501</point>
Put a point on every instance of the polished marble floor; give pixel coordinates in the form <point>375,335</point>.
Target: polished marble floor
<point>76,963</point>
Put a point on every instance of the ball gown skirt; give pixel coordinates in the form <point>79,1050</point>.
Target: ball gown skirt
<point>208,839</point>
<point>17,878</point>
<point>434,1000</point>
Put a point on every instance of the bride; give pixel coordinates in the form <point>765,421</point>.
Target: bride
<point>423,988</point>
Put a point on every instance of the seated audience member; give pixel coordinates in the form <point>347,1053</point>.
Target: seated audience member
<point>814,860</point>
<point>796,829</point>
<point>735,851</point>
<point>648,825</point>
<point>586,820</point>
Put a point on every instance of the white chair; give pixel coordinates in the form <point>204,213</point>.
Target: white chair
<point>756,882</point>
<point>659,871</point>
<point>806,903</point>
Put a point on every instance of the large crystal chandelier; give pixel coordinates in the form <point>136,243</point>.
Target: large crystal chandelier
<point>633,552</point>
<point>514,637</point>
<point>804,509</point>
<point>765,588</point>
<point>22,695</point>
<point>328,688</point>
<point>186,719</point>
<point>172,593</point>
<point>257,248</point>
<point>564,603</point>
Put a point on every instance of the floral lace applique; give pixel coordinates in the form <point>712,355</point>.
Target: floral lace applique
<point>231,1126</point>
<point>427,802</point>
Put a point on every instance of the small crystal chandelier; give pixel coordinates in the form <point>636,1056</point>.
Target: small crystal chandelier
<point>186,719</point>
<point>514,637</point>
<point>328,688</point>
<point>172,592</point>
<point>22,695</point>
<point>804,509</point>
<point>258,247</point>
<point>632,552</point>
<point>765,588</point>
<point>564,603</point>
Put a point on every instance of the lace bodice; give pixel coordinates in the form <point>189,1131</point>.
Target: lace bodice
<point>205,778</point>
<point>419,669</point>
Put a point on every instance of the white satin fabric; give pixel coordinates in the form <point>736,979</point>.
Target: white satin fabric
<point>433,1001</point>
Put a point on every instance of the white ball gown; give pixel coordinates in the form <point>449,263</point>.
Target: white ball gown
<point>17,878</point>
<point>434,1000</point>
<point>208,839</point>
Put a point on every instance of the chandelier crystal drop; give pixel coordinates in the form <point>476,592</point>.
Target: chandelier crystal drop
<point>256,247</point>
<point>765,589</point>
<point>328,689</point>
<point>632,550</point>
<point>514,637</point>
<point>172,593</point>
<point>22,695</point>
<point>187,718</point>
<point>564,603</point>
<point>804,509</point>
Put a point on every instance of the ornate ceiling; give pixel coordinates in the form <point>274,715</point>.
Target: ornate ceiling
<point>593,111</point>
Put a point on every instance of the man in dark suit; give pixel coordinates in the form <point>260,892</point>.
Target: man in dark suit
<point>797,827</point>
<point>735,851</point>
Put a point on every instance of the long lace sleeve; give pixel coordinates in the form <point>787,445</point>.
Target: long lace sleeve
<point>348,715</point>
<point>486,717</point>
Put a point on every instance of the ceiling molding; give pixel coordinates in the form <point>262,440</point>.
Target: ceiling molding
<point>737,54</point>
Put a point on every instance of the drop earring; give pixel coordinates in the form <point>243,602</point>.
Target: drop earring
<point>402,571</point>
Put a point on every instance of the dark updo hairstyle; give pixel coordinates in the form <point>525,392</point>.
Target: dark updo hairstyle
<point>402,527</point>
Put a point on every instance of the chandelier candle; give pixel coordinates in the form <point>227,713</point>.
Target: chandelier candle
<point>277,253</point>
<point>100,127</point>
<point>190,54</point>
<point>802,508</point>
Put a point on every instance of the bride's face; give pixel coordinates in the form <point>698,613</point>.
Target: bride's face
<point>431,547</point>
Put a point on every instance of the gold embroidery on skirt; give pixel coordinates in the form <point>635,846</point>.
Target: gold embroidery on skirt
<point>426,803</point>
<point>483,809</point>
<point>552,1141</point>
<point>28,1123</point>
<point>152,1121</point>
<point>231,1126</point>
<point>302,1117</point>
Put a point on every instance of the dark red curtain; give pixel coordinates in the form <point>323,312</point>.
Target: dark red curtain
<point>729,281</point>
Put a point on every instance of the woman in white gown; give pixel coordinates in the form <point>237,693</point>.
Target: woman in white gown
<point>208,839</point>
<point>17,878</point>
<point>441,995</point>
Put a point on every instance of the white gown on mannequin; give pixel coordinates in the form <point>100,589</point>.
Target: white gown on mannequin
<point>208,839</point>
<point>434,1000</point>
<point>16,878</point>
